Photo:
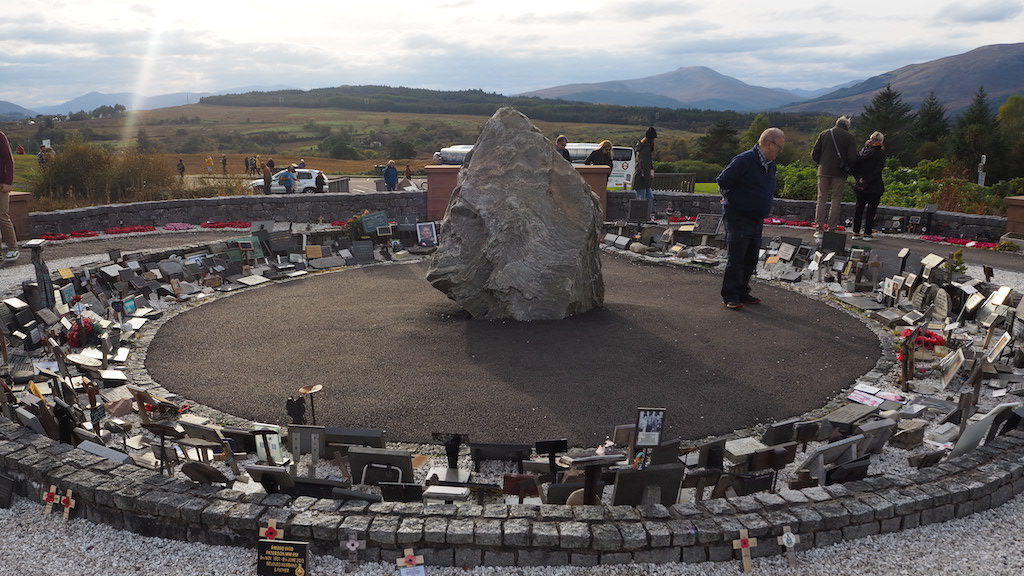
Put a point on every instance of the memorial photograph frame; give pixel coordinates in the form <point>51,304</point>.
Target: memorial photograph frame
<point>426,234</point>
<point>650,423</point>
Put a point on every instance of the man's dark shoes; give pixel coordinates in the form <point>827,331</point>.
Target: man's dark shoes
<point>733,305</point>
<point>750,300</point>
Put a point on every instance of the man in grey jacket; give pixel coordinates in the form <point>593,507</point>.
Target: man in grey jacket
<point>835,153</point>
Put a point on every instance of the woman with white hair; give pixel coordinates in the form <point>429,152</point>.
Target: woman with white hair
<point>869,186</point>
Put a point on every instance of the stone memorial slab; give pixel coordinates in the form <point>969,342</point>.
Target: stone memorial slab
<point>738,451</point>
<point>876,434</point>
<point>104,452</point>
<point>861,302</point>
<point>325,263</point>
<point>845,417</point>
<point>362,252</point>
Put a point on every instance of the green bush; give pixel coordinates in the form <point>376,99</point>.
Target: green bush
<point>84,173</point>
<point>798,181</point>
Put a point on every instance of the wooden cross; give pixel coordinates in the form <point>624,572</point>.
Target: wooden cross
<point>354,545</point>
<point>68,503</point>
<point>789,540</point>
<point>50,498</point>
<point>744,543</point>
<point>410,560</point>
<point>271,532</point>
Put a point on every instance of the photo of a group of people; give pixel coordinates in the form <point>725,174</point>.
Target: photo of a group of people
<point>649,424</point>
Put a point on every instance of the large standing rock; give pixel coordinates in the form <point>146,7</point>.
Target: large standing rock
<point>520,237</point>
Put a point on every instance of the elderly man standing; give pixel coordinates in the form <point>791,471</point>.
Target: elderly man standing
<point>747,186</point>
<point>835,153</point>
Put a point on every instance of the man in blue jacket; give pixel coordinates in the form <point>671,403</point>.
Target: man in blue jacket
<point>747,186</point>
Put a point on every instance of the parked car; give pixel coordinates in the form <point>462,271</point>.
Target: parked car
<point>305,182</point>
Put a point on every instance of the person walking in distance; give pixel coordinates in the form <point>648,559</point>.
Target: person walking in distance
<point>10,239</point>
<point>835,153</point>
<point>868,186</point>
<point>644,177</point>
<point>747,186</point>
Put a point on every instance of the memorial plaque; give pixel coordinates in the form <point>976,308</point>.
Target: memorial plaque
<point>787,251</point>
<point>708,225</point>
<point>920,298</point>
<point>277,557</point>
<point>362,252</point>
<point>942,303</point>
<point>374,220</point>
<point>833,242</point>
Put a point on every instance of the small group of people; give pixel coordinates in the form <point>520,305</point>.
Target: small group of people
<point>390,173</point>
<point>747,186</point>
<point>836,154</point>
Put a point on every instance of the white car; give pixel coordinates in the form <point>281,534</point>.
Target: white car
<point>305,182</point>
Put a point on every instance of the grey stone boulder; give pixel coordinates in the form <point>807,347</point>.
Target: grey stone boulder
<point>520,236</point>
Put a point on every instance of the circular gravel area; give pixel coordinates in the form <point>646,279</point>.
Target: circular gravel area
<point>393,353</point>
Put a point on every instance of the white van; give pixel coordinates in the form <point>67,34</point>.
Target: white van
<point>453,154</point>
<point>623,162</point>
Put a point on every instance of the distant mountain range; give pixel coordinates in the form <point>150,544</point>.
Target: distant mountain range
<point>93,100</point>
<point>954,79</point>
<point>692,87</point>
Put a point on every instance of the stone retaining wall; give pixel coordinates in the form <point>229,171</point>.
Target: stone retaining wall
<point>137,499</point>
<point>281,208</point>
<point>339,206</point>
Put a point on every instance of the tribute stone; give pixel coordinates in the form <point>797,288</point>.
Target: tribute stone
<point>520,236</point>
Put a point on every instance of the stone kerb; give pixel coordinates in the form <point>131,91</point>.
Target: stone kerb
<point>137,499</point>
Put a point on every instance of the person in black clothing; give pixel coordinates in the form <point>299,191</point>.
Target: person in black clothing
<point>603,154</point>
<point>320,182</point>
<point>869,186</point>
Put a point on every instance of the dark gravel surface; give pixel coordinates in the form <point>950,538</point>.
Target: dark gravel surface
<point>393,353</point>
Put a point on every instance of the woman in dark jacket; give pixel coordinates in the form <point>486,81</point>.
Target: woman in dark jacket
<point>603,154</point>
<point>869,186</point>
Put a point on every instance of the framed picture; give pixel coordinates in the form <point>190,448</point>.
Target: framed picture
<point>426,234</point>
<point>649,424</point>
<point>67,292</point>
<point>130,306</point>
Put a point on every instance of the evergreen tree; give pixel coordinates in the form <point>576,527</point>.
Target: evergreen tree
<point>931,124</point>
<point>976,134</point>
<point>719,144</point>
<point>889,114</point>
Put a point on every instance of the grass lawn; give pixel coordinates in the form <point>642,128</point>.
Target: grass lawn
<point>705,188</point>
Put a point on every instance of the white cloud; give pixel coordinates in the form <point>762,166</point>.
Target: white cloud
<point>72,48</point>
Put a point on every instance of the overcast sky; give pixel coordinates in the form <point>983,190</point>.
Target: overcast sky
<point>56,50</point>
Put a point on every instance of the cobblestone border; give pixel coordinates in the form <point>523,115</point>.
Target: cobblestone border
<point>133,498</point>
